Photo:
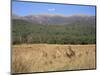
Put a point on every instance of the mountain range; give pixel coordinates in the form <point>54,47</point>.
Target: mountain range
<point>54,19</point>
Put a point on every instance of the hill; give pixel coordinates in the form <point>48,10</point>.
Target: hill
<point>53,19</point>
<point>78,30</point>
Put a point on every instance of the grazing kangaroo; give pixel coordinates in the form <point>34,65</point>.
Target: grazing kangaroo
<point>70,53</point>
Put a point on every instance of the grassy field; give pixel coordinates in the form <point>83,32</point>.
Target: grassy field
<point>52,57</point>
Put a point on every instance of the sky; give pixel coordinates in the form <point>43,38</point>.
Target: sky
<point>31,8</point>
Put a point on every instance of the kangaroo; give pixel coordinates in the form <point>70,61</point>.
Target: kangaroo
<point>70,53</point>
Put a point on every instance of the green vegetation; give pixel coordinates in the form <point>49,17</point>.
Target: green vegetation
<point>76,33</point>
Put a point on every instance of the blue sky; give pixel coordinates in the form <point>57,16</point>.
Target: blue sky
<point>29,8</point>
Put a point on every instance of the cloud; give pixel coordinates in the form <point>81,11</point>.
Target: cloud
<point>51,9</point>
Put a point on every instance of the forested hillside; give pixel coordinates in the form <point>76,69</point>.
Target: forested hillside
<point>75,33</point>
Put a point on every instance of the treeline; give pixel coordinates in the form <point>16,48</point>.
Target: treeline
<point>26,32</point>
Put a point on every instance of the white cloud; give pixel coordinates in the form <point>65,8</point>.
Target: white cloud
<point>51,9</point>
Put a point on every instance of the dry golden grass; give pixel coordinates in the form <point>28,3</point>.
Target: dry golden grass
<point>47,57</point>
